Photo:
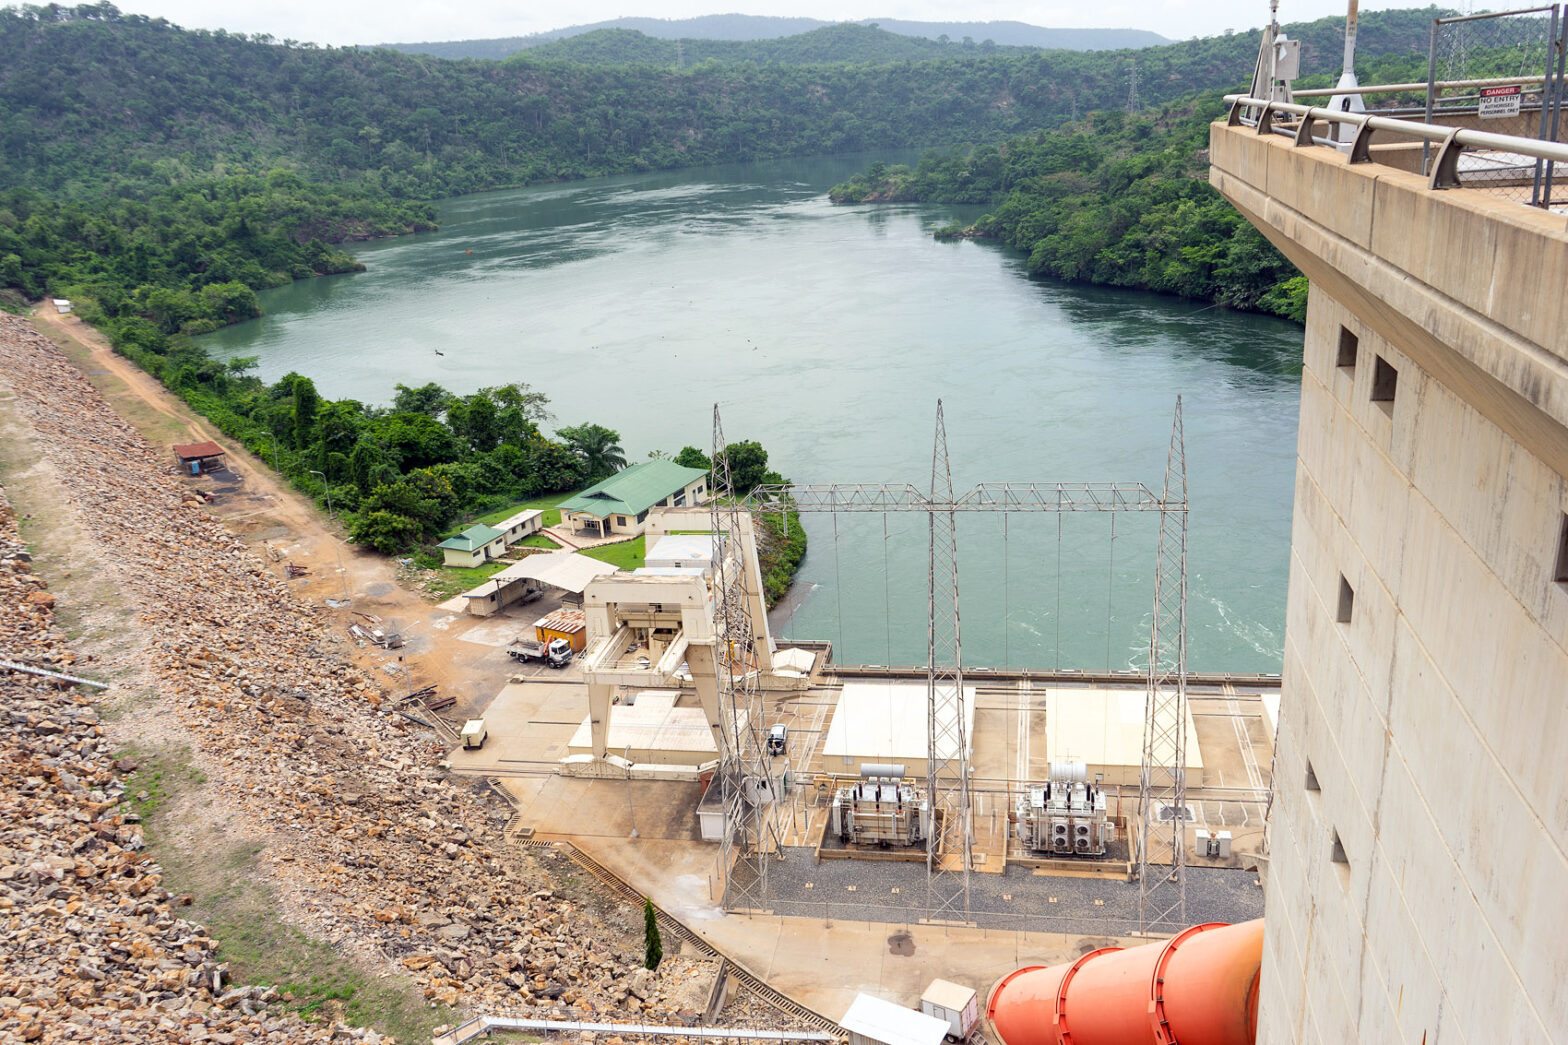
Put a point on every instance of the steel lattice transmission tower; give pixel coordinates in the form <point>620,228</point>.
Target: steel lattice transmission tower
<point>1162,848</point>
<point>948,846</point>
<point>747,787</point>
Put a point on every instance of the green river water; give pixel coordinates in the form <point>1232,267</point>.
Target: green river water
<point>828,334</point>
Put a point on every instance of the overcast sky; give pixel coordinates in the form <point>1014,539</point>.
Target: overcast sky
<point>406,21</point>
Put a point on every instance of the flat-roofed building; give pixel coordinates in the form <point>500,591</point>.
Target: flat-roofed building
<point>884,723</point>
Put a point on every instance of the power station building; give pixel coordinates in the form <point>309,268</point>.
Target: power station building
<point>1418,882</point>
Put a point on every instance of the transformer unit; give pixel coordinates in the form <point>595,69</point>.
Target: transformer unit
<point>1065,817</point>
<point>880,811</point>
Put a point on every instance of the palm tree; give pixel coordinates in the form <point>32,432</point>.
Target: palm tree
<point>598,449</point>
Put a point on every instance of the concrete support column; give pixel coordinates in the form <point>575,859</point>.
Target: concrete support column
<point>705,677</point>
<point>599,694</point>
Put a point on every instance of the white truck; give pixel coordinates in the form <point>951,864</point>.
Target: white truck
<point>557,652</point>
<point>955,1005</point>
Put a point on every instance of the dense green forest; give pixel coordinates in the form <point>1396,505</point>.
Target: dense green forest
<point>846,42</point>
<point>92,100</point>
<point>1116,200</point>
<point>188,259</point>
<point>1119,200</point>
<point>162,177</point>
<point>737,27</point>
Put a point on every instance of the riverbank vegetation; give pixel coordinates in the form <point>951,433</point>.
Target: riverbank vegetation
<point>161,177</point>
<point>1117,200</point>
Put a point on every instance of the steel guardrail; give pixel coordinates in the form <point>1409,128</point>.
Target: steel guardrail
<point>1367,123</point>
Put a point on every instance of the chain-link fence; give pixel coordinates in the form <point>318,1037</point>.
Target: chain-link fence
<point>1499,72</point>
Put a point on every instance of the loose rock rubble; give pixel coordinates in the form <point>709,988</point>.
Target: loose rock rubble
<point>369,845</point>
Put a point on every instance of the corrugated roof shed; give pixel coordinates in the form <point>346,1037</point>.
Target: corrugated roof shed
<point>634,490</point>
<point>563,621</point>
<point>197,451</point>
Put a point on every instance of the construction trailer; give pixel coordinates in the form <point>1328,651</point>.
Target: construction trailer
<point>1066,816</point>
<point>956,1005</point>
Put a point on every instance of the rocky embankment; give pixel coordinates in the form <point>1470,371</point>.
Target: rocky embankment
<point>365,841</point>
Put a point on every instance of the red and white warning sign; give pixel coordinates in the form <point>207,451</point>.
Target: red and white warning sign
<point>1497,102</point>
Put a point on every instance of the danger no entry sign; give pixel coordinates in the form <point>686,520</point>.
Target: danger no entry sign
<point>1497,102</point>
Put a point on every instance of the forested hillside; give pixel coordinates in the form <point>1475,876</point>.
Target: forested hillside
<point>1116,200</point>
<point>846,42</point>
<point>161,177</point>
<point>708,28</point>
<point>1120,200</point>
<point>92,100</point>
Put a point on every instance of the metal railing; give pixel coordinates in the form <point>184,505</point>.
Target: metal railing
<point>1303,122</point>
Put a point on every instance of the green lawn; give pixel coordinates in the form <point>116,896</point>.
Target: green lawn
<point>628,555</point>
<point>552,514</point>
<point>447,581</point>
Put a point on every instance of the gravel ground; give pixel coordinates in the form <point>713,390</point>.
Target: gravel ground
<point>1017,899</point>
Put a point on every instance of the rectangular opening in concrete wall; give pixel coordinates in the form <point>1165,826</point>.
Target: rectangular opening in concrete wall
<point>1560,572</point>
<point>1347,601</point>
<point>1348,343</point>
<point>1385,379</point>
<point>1340,861</point>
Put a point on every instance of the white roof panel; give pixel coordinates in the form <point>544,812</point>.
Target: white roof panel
<point>518,519</point>
<point>893,1024</point>
<point>948,995</point>
<point>681,548</point>
<point>886,722</point>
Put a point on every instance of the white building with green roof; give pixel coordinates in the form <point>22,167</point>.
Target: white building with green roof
<point>474,546</point>
<point>620,504</point>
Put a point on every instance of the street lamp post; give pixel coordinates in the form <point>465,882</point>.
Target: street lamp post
<point>326,486</point>
<point>336,548</point>
<point>630,807</point>
<point>274,436</point>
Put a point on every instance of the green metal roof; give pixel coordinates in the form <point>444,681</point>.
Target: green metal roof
<point>634,490</point>
<point>472,539</point>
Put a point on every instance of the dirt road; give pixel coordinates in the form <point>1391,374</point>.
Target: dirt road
<point>285,527</point>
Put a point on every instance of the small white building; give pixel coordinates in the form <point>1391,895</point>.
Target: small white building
<point>682,551</point>
<point>1103,728</point>
<point>525,523</point>
<point>884,723</point>
<point>475,546</point>
<point>872,1021</point>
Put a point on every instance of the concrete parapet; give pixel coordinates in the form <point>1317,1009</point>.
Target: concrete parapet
<point>1468,284</point>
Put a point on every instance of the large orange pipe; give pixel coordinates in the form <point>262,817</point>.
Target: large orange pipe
<point>1198,988</point>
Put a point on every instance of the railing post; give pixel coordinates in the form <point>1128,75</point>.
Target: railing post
<point>1431,93</point>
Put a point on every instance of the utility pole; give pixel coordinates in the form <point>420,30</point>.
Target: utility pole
<point>325,486</point>
<point>336,549</point>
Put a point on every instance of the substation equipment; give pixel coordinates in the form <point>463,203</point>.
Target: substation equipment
<point>751,837</point>
<point>1066,816</point>
<point>880,809</point>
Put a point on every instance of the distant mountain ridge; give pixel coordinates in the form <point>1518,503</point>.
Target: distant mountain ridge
<point>738,27</point>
